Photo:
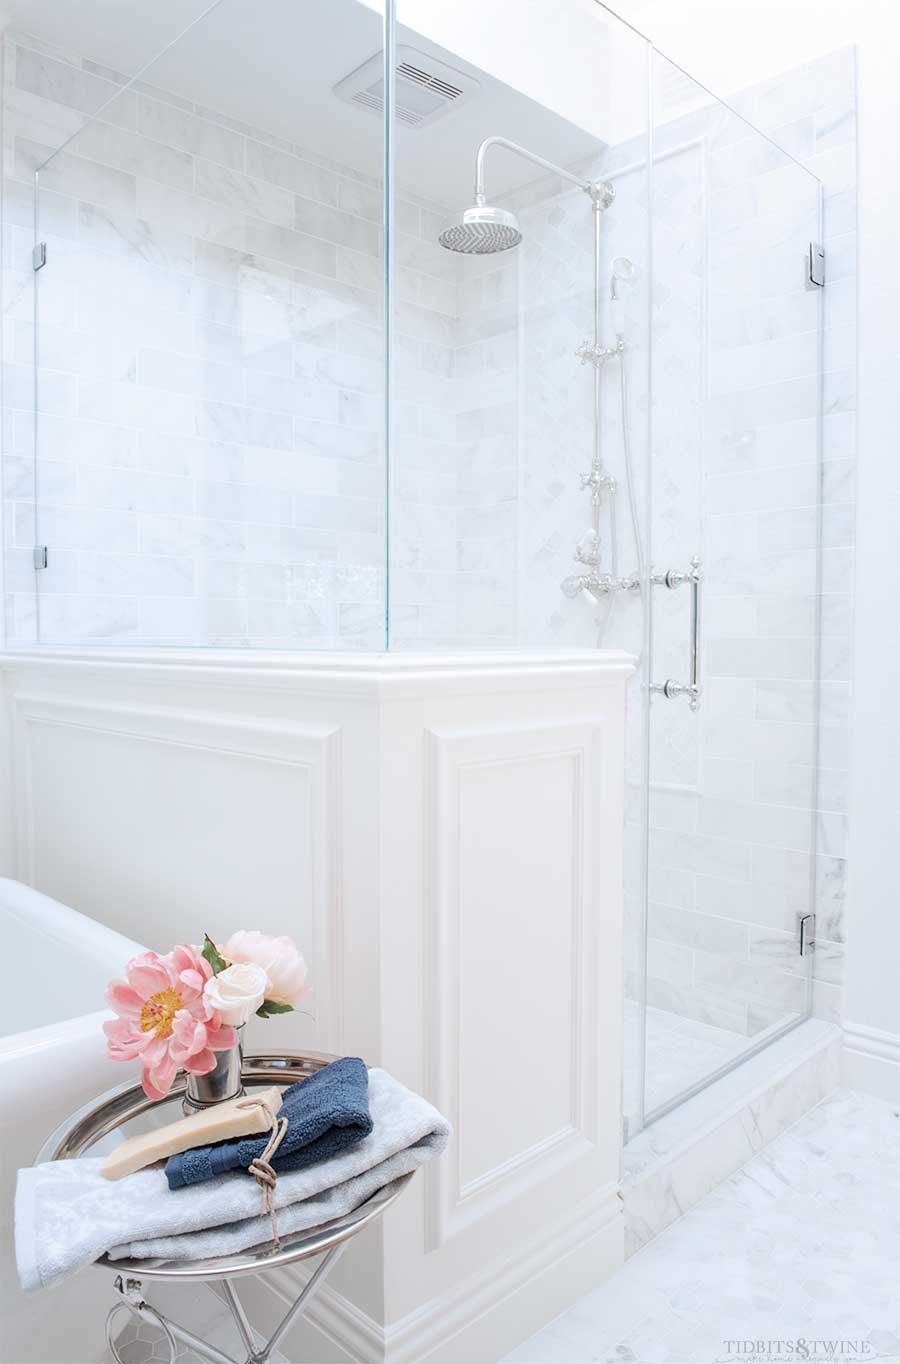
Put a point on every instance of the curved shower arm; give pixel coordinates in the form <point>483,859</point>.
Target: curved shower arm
<point>602,190</point>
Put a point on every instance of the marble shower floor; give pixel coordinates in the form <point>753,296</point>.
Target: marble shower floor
<point>680,1053</point>
<point>801,1245</point>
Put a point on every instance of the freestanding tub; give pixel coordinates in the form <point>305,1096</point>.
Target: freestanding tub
<point>55,964</point>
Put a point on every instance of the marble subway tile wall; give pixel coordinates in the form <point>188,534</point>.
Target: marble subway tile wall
<point>425,451</point>
<point>557,405</point>
<point>456,463</point>
<point>210,462</point>
<point>491,377</point>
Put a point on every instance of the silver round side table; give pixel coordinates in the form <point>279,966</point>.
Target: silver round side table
<point>127,1111</point>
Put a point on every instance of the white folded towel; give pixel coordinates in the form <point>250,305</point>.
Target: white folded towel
<point>67,1214</point>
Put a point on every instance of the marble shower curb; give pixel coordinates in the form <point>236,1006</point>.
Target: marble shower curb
<point>677,1161</point>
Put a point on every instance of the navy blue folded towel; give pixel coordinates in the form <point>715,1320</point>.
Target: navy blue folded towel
<point>326,1114</point>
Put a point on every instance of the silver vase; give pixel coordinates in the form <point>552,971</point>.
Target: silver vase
<point>224,1082</point>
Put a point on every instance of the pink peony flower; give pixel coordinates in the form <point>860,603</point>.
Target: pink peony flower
<point>278,957</point>
<point>164,1020</point>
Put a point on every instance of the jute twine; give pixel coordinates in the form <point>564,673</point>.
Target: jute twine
<point>261,1168</point>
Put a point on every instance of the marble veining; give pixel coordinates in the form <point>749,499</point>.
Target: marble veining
<point>800,1245</point>
<point>680,1051</point>
<point>678,1159</point>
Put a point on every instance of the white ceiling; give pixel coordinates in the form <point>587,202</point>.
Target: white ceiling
<point>274,63</point>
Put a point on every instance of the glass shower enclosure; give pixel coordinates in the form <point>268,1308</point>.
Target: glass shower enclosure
<point>364,330</point>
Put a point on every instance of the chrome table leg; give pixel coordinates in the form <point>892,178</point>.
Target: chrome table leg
<point>131,1297</point>
<point>310,1288</point>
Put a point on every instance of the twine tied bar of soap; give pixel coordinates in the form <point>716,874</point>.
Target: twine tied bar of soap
<point>261,1167</point>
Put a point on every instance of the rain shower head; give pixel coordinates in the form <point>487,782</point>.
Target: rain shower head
<point>481,231</point>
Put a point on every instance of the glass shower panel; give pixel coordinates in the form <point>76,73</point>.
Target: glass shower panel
<point>504,401</point>
<point>735,524</point>
<point>209,333</point>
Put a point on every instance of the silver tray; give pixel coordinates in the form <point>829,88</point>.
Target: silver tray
<point>128,1107</point>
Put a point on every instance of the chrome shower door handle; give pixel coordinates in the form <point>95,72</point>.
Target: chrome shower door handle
<point>691,689</point>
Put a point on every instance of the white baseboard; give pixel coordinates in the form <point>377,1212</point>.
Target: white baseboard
<point>871,1061</point>
<point>331,1317</point>
<point>482,1318</point>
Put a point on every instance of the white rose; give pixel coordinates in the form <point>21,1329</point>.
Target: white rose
<point>236,992</point>
<point>278,957</point>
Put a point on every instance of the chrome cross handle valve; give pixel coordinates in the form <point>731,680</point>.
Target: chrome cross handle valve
<point>596,480</point>
<point>598,584</point>
<point>670,689</point>
<point>674,578</point>
<point>589,353</point>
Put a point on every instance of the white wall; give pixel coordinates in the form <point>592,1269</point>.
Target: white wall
<point>729,46</point>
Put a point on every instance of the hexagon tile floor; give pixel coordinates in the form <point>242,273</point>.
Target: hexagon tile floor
<point>197,1308</point>
<point>794,1258</point>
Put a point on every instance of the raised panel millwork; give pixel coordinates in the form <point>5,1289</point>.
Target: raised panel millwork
<point>170,823</point>
<point>462,915</point>
<point>510,1004</point>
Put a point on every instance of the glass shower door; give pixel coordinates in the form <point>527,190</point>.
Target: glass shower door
<point>733,519</point>
<point>208,332</point>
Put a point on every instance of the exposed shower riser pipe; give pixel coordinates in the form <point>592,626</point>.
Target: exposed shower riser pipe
<point>598,456</point>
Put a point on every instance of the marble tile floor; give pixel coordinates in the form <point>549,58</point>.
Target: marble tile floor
<point>680,1052</point>
<point>794,1257</point>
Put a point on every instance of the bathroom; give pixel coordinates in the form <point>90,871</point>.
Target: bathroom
<point>447,481</point>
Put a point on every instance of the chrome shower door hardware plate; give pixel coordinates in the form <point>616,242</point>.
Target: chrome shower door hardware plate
<point>817,264</point>
<point>807,934</point>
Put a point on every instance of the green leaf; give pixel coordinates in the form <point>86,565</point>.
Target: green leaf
<point>269,1007</point>
<point>212,955</point>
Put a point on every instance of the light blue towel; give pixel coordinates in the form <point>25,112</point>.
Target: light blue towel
<point>327,1114</point>
<point>68,1213</point>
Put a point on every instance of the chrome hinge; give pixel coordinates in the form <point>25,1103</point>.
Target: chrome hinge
<point>39,256</point>
<point>807,934</point>
<point>817,264</point>
<point>39,555</point>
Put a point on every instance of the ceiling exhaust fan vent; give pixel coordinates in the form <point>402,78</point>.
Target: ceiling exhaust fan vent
<point>426,88</point>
